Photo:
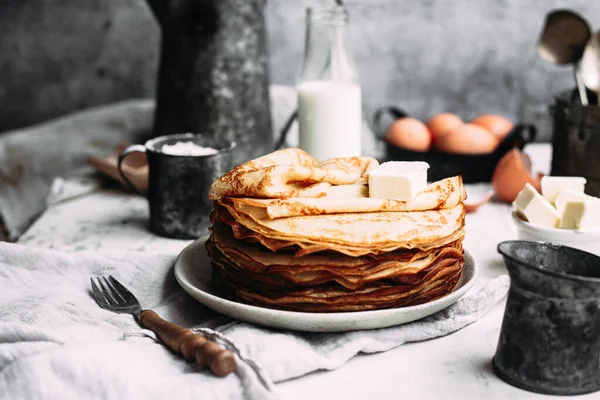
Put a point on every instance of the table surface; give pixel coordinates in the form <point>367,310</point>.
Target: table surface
<point>454,366</point>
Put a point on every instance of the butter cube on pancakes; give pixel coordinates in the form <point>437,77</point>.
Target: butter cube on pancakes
<point>398,180</point>
<point>281,239</point>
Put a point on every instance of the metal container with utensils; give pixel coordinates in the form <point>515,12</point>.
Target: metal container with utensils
<point>590,64</point>
<point>576,140</point>
<point>562,42</point>
<point>550,336</point>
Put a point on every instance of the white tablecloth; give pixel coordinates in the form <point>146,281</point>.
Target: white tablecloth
<point>455,366</point>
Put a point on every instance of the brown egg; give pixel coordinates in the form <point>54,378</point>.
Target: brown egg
<point>468,139</point>
<point>409,134</point>
<point>511,175</point>
<point>496,124</point>
<point>440,124</point>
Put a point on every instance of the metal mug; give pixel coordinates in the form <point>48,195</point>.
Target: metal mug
<point>178,185</point>
<point>550,337</point>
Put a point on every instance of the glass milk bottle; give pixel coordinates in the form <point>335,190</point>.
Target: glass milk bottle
<point>329,94</point>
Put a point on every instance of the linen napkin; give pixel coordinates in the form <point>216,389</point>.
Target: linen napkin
<point>56,343</point>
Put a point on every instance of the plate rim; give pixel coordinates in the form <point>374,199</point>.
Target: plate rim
<point>316,318</point>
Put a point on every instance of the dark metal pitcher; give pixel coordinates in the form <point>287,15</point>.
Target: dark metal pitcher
<point>550,336</point>
<point>214,72</point>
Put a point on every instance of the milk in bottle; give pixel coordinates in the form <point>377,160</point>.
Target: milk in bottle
<point>329,94</point>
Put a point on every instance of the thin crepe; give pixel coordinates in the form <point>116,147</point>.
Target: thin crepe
<point>352,233</point>
<point>300,249</point>
<point>290,173</point>
<point>263,269</point>
<point>444,194</point>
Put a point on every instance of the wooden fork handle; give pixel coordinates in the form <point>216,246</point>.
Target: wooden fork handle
<point>192,346</point>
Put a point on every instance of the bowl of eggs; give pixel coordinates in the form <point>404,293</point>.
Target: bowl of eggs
<point>450,145</point>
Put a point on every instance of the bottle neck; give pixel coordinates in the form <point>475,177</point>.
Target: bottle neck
<point>325,52</point>
<point>327,16</point>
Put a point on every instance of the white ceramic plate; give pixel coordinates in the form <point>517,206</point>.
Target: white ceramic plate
<point>194,274</point>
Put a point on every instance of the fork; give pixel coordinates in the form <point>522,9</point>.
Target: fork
<point>111,295</point>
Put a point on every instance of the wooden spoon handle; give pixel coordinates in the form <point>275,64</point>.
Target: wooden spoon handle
<point>191,345</point>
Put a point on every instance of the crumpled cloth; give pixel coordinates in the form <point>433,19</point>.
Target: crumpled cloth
<point>56,343</point>
<point>31,158</point>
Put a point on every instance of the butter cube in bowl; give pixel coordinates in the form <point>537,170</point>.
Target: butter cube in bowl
<point>561,214</point>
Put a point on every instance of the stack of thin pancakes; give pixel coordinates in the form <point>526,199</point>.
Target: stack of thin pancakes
<point>290,233</point>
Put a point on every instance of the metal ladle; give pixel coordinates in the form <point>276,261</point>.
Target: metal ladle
<point>563,40</point>
<point>590,64</point>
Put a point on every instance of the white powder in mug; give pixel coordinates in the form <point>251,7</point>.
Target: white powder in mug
<point>187,149</point>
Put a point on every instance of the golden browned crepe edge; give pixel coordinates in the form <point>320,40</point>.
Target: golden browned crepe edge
<point>444,194</point>
<point>290,173</point>
<point>291,275</point>
<point>443,281</point>
<point>414,238</point>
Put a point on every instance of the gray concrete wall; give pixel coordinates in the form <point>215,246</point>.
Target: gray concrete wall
<point>463,56</point>
<point>62,55</point>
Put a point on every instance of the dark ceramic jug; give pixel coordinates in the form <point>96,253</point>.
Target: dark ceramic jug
<point>550,336</point>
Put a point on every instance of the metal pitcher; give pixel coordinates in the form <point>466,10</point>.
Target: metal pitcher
<point>213,75</point>
<point>550,336</point>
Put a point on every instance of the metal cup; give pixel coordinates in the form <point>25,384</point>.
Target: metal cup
<point>178,185</point>
<point>550,337</point>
